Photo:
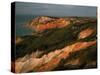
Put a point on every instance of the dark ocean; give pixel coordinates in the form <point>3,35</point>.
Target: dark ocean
<point>20,22</point>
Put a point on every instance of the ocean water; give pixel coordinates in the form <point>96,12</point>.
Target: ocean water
<point>20,22</point>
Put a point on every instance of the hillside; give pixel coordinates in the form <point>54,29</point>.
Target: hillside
<point>57,44</point>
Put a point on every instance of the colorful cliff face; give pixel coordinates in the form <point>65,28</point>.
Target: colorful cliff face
<point>44,23</point>
<point>57,44</point>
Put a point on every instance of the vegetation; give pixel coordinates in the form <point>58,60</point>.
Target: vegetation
<point>52,39</point>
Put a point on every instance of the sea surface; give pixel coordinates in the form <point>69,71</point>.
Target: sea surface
<point>20,25</point>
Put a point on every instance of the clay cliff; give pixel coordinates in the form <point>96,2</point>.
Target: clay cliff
<point>58,44</point>
<point>43,23</point>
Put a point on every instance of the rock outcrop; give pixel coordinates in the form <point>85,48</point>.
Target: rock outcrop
<point>85,33</point>
<point>43,23</point>
<point>51,60</point>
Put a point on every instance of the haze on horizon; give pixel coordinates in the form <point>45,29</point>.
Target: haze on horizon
<point>23,8</point>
